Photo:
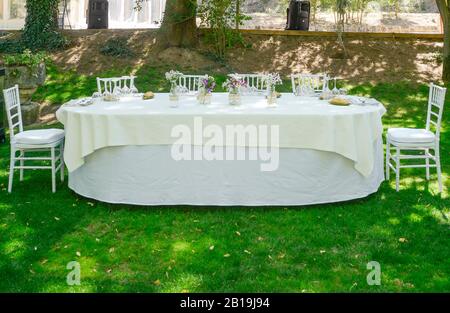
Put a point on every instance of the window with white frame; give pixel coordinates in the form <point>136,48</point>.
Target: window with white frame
<point>17,9</point>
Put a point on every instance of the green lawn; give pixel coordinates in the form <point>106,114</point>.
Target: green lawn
<point>321,248</point>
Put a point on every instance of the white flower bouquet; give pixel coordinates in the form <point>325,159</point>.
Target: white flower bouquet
<point>272,79</point>
<point>173,76</point>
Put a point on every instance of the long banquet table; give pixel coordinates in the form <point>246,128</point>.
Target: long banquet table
<point>122,152</point>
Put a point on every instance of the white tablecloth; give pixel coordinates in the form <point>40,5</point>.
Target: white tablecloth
<point>304,122</point>
<point>148,175</point>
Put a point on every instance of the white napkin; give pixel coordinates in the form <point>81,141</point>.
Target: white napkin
<point>362,100</point>
<point>80,102</point>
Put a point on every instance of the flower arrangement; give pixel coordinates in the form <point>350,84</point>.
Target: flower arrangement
<point>272,79</point>
<point>173,76</point>
<point>233,83</point>
<point>207,84</point>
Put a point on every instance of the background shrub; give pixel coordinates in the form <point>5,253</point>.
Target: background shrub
<point>117,47</point>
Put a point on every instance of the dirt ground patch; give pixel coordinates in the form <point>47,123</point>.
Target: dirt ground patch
<point>375,60</point>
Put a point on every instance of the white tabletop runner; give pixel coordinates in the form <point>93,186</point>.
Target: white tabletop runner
<point>304,122</point>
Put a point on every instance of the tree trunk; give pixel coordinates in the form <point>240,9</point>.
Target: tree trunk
<point>238,13</point>
<point>179,26</point>
<point>40,23</point>
<point>446,56</point>
<point>444,9</point>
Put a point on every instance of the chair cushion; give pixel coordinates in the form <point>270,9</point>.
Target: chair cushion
<point>410,135</point>
<point>39,137</point>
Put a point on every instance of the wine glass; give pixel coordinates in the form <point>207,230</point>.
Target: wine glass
<point>117,90</point>
<point>125,90</point>
<point>335,90</point>
<point>133,88</point>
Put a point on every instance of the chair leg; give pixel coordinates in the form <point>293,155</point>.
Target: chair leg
<point>61,151</point>
<point>427,163</point>
<point>22,155</point>
<point>11,169</point>
<point>397,169</point>
<point>438,169</point>
<point>53,170</point>
<point>388,158</point>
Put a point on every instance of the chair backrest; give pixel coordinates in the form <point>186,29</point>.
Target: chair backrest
<point>318,82</point>
<point>191,83</point>
<point>13,111</point>
<point>108,84</point>
<point>255,82</point>
<point>436,100</point>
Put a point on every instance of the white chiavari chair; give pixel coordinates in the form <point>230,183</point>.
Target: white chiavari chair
<point>125,83</point>
<point>419,140</point>
<point>31,141</point>
<point>190,84</point>
<point>255,83</point>
<point>315,82</point>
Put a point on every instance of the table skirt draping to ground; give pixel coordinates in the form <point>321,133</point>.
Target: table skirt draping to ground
<point>148,175</point>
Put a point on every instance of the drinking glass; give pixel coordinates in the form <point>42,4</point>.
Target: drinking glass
<point>133,88</point>
<point>335,90</point>
<point>117,91</point>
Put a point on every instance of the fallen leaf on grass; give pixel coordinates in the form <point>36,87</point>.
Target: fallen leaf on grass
<point>227,255</point>
<point>111,250</point>
<point>248,252</point>
<point>211,248</point>
<point>57,218</point>
<point>402,239</point>
<point>157,282</point>
<point>238,233</point>
<point>78,253</point>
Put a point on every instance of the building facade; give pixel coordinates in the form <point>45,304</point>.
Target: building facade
<point>122,14</point>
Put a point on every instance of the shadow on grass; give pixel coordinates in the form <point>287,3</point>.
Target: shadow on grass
<point>240,249</point>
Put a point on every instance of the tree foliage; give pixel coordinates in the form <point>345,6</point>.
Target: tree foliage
<point>222,19</point>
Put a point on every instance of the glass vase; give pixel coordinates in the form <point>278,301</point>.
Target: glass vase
<point>234,98</point>
<point>272,96</point>
<point>204,97</point>
<point>173,94</point>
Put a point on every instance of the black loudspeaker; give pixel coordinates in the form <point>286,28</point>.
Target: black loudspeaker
<point>298,15</point>
<point>98,14</point>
